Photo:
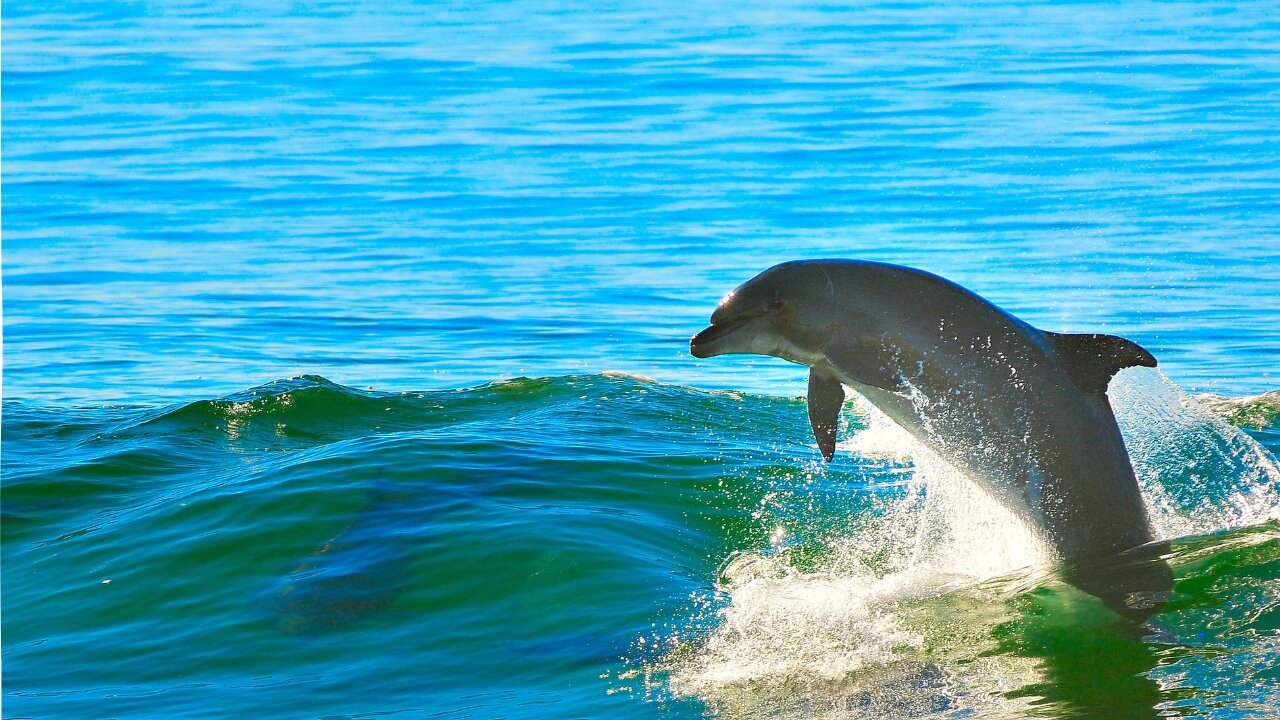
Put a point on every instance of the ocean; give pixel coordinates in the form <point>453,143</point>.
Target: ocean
<point>346,368</point>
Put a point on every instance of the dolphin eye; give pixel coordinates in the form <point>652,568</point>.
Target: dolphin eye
<point>777,306</point>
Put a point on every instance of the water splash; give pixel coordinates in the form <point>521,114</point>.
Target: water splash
<point>1198,473</point>
<point>901,615</point>
<point>955,526</point>
<point>862,627</point>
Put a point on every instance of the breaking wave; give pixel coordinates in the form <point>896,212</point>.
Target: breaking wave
<point>935,600</point>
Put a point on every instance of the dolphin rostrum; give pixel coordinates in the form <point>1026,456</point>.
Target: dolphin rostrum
<point>1022,412</point>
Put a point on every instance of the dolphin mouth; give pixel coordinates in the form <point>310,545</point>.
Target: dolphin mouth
<point>705,344</point>
<point>701,346</point>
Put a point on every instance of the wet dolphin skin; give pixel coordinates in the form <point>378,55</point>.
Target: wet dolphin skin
<point>1023,412</point>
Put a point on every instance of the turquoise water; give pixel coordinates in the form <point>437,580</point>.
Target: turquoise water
<point>346,362</point>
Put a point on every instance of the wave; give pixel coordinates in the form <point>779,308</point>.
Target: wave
<point>56,455</point>
<point>1251,411</point>
<point>311,407</point>
<point>881,583</point>
<point>904,612</point>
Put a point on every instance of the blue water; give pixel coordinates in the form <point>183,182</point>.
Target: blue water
<point>350,342</point>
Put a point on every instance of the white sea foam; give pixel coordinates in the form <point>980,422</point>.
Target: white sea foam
<point>851,629</point>
<point>623,374</point>
<point>898,616</point>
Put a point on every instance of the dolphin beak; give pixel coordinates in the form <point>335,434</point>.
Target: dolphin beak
<point>704,344</point>
<point>721,337</point>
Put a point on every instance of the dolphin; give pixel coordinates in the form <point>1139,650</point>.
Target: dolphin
<point>1021,411</point>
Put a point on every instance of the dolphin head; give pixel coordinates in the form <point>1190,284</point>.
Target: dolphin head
<point>780,312</point>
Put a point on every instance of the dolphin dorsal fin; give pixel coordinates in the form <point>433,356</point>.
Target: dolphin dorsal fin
<point>1092,360</point>
<point>826,398</point>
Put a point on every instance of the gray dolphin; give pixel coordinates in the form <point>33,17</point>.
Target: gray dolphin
<point>1023,412</point>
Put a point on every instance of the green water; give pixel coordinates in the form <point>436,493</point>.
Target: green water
<point>595,545</point>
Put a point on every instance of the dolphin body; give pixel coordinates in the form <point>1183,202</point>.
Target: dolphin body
<point>1023,412</point>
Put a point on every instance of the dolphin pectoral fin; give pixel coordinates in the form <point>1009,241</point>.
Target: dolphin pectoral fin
<point>826,397</point>
<point>1092,360</point>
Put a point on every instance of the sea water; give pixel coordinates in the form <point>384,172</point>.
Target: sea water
<point>346,368</point>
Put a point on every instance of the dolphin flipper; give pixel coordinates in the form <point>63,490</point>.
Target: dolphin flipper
<point>826,397</point>
<point>1092,360</point>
